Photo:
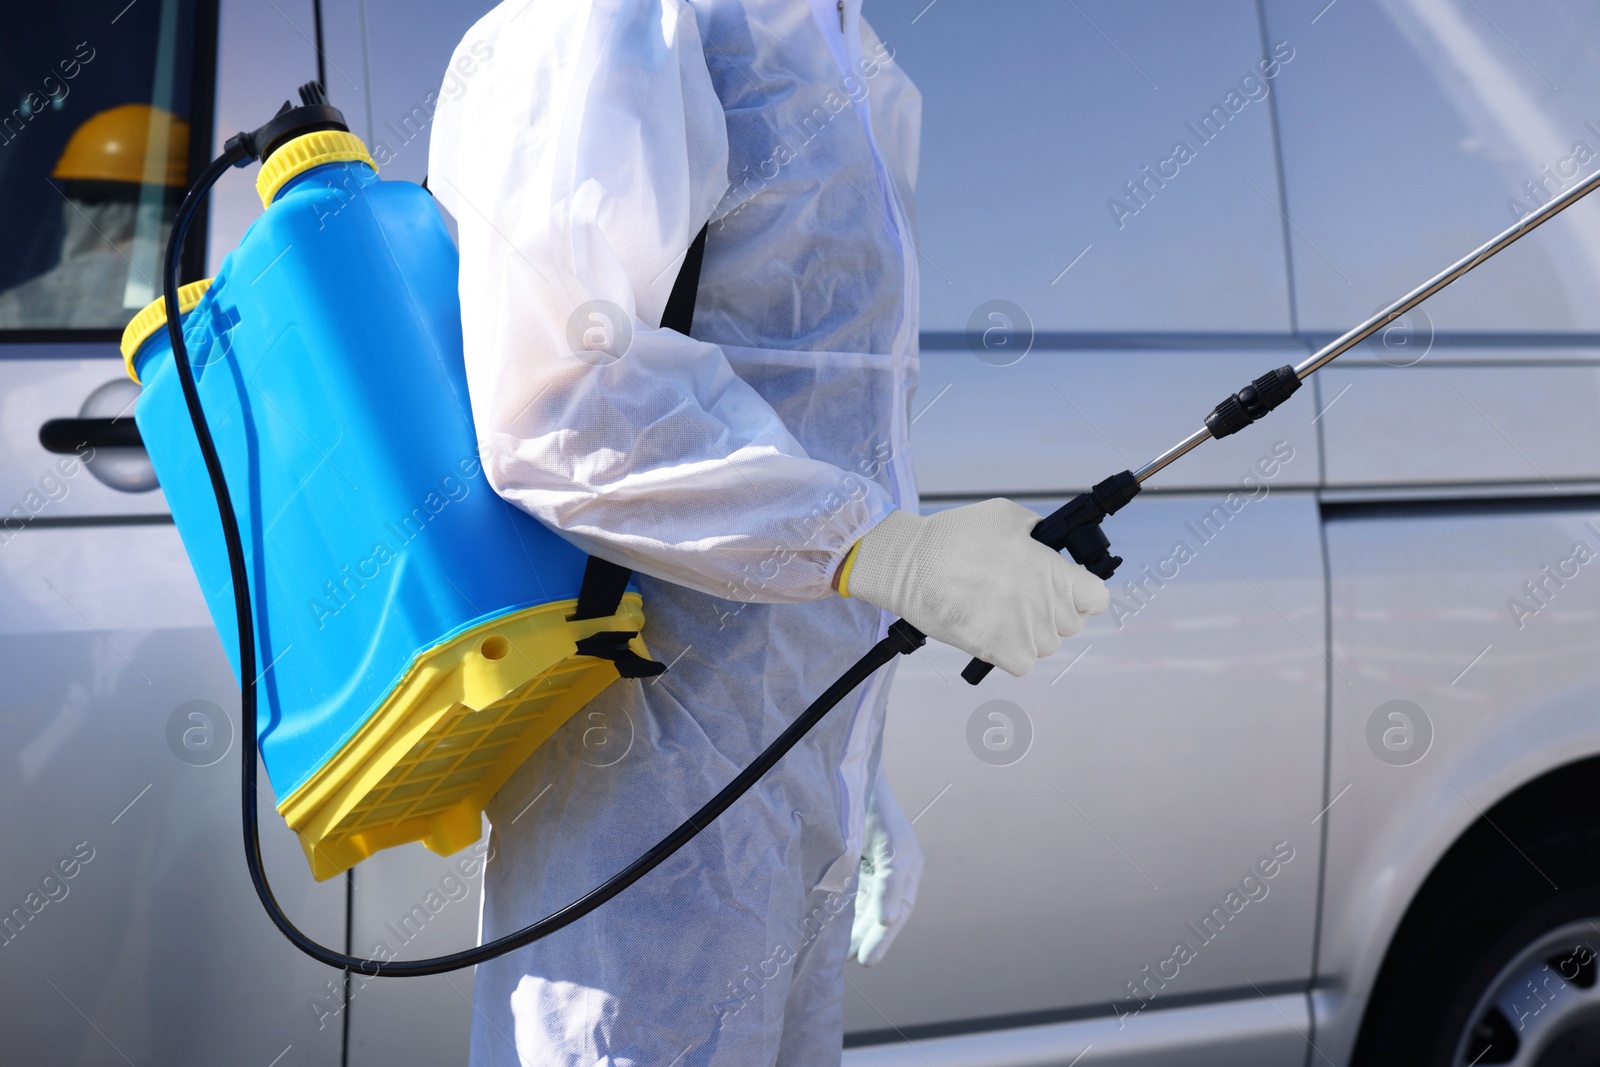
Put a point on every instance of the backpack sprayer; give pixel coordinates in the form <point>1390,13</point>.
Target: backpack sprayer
<point>443,634</point>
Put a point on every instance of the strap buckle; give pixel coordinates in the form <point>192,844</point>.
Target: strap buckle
<point>613,645</point>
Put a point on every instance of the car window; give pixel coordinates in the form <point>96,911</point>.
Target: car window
<point>97,132</point>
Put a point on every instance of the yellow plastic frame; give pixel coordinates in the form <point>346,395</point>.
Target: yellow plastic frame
<point>466,714</point>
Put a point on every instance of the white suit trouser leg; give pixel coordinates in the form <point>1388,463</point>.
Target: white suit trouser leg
<point>732,953</point>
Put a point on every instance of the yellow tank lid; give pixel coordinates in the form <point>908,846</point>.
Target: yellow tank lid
<point>307,151</point>
<point>154,317</point>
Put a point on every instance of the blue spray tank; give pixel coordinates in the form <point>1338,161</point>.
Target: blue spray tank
<point>416,635</point>
<point>403,638</point>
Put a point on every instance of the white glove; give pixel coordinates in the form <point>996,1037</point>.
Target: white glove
<point>891,863</point>
<point>973,578</point>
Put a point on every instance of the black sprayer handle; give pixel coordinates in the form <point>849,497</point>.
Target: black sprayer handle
<point>1075,528</point>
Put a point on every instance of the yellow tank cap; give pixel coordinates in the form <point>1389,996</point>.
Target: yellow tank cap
<point>307,151</point>
<point>154,317</point>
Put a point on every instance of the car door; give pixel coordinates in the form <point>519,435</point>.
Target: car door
<point>1103,259</point>
<point>1460,456</point>
<point>129,931</point>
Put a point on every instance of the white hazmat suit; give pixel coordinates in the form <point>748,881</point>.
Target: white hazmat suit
<point>732,472</point>
<point>102,244</point>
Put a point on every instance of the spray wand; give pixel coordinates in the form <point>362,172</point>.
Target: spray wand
<point>1075,526</point>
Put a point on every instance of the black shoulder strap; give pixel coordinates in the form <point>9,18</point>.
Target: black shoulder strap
<point>599,596</point>
<point>604,582</point>
<point>679,313</point>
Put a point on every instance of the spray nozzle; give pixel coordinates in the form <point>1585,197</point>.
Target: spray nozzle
<point>313,114</point>
<point>312,93</point>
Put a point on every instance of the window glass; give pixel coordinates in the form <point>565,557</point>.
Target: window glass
<point>95,134</point>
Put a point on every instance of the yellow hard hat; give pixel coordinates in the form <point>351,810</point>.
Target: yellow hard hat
<point>112,146</point>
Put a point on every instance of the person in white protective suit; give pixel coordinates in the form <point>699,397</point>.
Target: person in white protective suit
<point>749,475</point>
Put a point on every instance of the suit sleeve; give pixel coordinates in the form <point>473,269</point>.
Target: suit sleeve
<point>579,164</point>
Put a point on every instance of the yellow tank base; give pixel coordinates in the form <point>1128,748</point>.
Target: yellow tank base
<point>465,716</point>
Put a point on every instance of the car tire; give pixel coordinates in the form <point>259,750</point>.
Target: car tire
<point>1495,963</point>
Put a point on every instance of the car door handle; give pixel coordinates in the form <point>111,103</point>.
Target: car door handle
<point>71,435</point>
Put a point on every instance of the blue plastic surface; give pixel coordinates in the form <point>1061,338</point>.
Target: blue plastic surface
<point>329,362</point>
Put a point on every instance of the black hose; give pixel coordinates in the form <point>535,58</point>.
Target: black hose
<point>903,638</point>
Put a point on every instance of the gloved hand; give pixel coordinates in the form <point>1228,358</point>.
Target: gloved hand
<point>973,578</point>
<point>891,864</point>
